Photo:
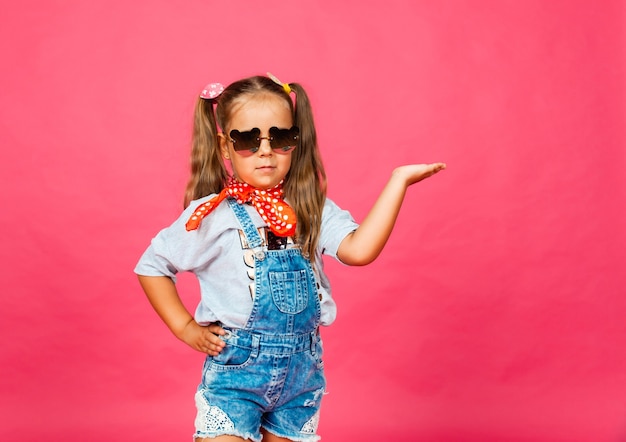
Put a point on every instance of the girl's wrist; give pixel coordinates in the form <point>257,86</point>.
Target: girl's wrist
<point>179,331</point>
<point>399,177</point>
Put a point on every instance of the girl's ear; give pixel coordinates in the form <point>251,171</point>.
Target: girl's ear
<point>223,146</point>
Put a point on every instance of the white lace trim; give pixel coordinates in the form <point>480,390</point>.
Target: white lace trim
<point>211,418</point>
<point>310,427</point>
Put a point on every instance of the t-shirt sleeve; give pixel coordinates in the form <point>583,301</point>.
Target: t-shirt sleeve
<point>156,260</point>
<point>175,250</point>
<point>336,225</point>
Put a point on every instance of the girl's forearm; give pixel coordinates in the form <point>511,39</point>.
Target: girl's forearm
<point>365,244</point>
<point>163,296</point>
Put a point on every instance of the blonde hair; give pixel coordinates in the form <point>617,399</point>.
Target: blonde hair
<point>305,183</point>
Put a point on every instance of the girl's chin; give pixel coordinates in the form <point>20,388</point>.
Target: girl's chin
<point>260,184</point>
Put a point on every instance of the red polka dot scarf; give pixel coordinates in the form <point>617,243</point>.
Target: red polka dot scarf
<point>279,216</point>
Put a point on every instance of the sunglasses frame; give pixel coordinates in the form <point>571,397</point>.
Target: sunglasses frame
<point>251,136</point>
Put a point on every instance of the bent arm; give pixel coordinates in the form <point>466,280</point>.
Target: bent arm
<point>363,246</point>
<point>163,296</point>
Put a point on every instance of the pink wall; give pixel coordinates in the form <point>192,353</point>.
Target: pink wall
<point>495,314</point>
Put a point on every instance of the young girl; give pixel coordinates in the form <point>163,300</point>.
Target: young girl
<point>254,233</point>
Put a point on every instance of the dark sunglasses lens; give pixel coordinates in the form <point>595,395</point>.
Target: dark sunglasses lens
<point>284,139</point>
<point>248,140</point>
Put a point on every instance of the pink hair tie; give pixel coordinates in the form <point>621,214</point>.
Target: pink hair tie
<point>211,91</point>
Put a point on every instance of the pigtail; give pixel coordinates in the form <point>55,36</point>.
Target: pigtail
<point>208,173</point>
<point>305,186</point>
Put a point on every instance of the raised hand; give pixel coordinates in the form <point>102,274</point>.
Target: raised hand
<point>413,173</point>
<point>365,244</point>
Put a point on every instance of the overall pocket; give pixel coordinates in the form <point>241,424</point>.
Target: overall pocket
<point>231,357</point>
<point>289,290</point>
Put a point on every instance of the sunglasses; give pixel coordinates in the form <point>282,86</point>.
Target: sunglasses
<point>281,140</point>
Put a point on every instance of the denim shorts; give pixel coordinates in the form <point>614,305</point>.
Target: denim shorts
<point>271,381</point>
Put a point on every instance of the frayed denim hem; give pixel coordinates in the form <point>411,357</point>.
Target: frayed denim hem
<point>231,433</point>
<point>299,438</point>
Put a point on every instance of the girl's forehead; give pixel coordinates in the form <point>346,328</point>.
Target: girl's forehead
<point>261,107</point>
<point>260,100</point>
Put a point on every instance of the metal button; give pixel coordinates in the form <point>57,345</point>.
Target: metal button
<point>260,255</point>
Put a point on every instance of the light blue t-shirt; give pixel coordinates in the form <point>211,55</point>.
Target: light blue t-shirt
<point>215,254</point>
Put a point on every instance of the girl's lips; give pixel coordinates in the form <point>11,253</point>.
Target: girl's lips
<point>265,170</point>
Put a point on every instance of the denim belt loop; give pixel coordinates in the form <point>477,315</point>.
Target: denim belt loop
<point>314,342</point>
<point>256,345</point>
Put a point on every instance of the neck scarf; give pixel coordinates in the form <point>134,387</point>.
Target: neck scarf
<point>279,216</point>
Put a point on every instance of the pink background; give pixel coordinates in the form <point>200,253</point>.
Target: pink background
<point>497,311</point>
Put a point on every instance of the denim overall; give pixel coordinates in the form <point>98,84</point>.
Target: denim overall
<point>270,372</point>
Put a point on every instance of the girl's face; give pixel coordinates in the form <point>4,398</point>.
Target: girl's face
<point>264,168</point>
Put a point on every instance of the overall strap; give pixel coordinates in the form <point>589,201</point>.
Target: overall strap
<point>249,230</point>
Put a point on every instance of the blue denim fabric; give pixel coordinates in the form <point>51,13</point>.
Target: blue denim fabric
<point>270,374</point>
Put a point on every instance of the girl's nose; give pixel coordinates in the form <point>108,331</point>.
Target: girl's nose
<point>265,148</point>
